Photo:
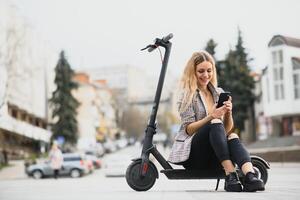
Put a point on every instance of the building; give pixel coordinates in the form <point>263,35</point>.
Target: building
<point>122,79</point>
<point>280,83</point>
<point>96,114</point>
<point>24,110</point>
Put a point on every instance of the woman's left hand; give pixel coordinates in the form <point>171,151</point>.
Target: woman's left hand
<point>228,105</point>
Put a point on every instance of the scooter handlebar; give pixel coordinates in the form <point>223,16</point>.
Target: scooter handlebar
<point>167,38</point>
<point>150,49</point>
<point>164,39</point>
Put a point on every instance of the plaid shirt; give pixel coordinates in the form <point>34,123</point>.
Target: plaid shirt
<point>195,111</point>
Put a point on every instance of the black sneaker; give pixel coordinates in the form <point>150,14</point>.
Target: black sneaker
<point>252,183</point>
<point>232,183</point>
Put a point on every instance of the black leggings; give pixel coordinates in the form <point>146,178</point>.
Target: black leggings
<point>56,172</point>
<point>210,147</point>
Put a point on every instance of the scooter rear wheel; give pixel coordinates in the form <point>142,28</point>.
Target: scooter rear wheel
<point>137,182</point>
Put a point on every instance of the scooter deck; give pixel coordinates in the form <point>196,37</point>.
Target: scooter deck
<point>193,174</point>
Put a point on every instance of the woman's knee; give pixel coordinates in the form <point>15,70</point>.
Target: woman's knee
<point>216,121</point>
<point>232,136</point>
<point>217,130</point>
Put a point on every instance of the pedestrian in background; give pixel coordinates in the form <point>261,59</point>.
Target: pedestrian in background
<point>56,159</point>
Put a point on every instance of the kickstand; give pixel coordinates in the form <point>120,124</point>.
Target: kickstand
<point>218,181</point>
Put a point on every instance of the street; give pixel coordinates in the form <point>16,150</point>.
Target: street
<point>283,183</point>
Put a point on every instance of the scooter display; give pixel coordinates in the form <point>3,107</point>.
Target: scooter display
<point>141,174</point>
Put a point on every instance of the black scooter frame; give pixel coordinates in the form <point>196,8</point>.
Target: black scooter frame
<point>148,146</point>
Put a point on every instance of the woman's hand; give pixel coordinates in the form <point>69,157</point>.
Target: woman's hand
<point>218,113</point>
<point>228,105</point>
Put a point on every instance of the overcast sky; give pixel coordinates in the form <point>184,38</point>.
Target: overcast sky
<point>97,33</point>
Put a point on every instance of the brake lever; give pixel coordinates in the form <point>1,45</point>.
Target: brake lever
<point>147,47</point>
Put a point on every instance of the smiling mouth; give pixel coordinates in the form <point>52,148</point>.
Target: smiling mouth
<point>204,80</point>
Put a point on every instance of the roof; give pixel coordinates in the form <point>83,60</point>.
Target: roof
<point>280,39</point>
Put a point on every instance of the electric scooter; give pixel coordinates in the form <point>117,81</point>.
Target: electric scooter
<point>141,174</point>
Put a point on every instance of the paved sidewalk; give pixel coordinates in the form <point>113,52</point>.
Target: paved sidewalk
<point>277,149</point>
<point>15,170</point>
<point>283,183</point>
<point>278,156</point>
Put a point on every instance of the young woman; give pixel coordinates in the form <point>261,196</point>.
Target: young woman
<point>205,140</point>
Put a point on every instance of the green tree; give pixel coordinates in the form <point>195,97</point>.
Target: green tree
<point>133,122</point>
<point>210,47</point>
<point>236,79</point>
<point>64,105</point>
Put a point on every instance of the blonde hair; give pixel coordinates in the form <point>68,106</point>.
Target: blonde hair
<point>189,83</point>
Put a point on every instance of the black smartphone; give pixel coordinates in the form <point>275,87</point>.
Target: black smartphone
<point>224,96</point>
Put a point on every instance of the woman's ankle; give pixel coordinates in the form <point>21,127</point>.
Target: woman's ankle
<point>247,167</point>
<point>228,166</point>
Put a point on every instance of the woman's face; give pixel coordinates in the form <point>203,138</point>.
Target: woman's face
<point>204,72</point>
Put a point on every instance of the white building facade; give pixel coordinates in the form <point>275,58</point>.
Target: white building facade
<point>281,86</point>
<point>24,62</point>
<point>95,115</point>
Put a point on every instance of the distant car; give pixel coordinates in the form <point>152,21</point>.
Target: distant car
<point>109,146</point>
<point>74,165</point>
<point>98,150</point>
<point>121,143</point>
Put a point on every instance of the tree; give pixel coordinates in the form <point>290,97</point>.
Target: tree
<point>236,79</point>
<point>133,122</point>
<point>210,47</point>
<point>64,104</point>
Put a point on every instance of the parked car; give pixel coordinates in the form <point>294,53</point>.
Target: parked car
<point>109,146</point>
<point>121,143</point>
<point>74,165</point>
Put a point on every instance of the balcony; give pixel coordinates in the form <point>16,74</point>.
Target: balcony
<point>11,124</point>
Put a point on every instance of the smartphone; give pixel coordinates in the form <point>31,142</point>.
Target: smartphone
<point>224,96</point>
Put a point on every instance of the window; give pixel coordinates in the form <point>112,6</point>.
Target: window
<point>274,57</point>
<point>69,159</point>
<point>275,70</point>
<point>281,91</point>
<point>268,90</point>
<point>281,73</point>
<point>296,65</point>
<point>296,78</point>
<point>296,81</point>
<point>280,56</point>
<point>276,92</point>
<point>278,74</point>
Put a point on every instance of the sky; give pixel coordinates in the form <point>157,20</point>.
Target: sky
<point>103,33</point>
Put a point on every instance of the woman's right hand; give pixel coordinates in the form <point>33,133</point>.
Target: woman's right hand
<point>218,113</point>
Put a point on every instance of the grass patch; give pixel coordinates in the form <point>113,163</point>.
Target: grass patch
<point>2,166</point>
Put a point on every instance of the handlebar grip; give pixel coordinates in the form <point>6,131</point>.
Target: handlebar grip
<point>168,37</point>
<point>150,49</point>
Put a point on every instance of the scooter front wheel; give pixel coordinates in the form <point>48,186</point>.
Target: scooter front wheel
<point>260,170</point>
<point>138,182</point>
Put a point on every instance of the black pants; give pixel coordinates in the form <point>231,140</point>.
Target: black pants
<point>56,172</point>
<point>210,147</point>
